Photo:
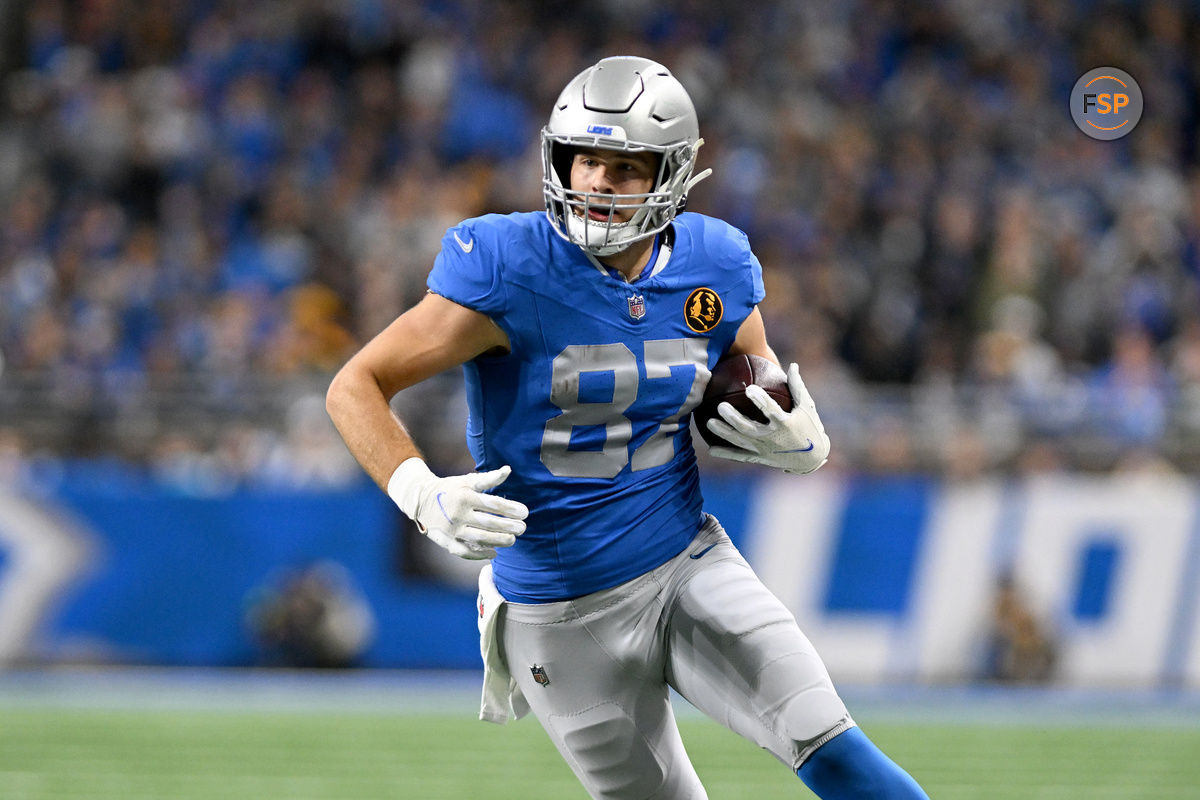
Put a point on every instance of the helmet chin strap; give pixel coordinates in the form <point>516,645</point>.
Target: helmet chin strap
<point>696,179</point>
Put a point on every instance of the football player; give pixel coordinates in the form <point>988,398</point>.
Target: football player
<point>587,333</point>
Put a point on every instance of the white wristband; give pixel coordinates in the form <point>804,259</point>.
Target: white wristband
<point>404,485</point>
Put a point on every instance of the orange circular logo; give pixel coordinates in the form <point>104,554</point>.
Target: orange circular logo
<point>1106,103</point>
<point>703,310</point>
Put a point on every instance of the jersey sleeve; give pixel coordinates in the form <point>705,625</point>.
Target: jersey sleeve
<point>467,270</point>
<point>727,250</point>
<point>757,290</point>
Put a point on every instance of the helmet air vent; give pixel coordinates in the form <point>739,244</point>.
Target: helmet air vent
<point>610,92</point>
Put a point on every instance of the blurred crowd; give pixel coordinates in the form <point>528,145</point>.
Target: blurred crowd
<point>218,193</point>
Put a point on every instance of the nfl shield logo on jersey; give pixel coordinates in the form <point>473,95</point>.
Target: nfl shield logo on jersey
<point>637,306</point>
<point>539,674</point>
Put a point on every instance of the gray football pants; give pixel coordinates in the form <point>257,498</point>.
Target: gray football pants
<point>596,671</point>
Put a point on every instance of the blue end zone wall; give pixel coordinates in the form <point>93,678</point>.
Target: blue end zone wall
<point>891,577</point>
<point>877,546</point>
<point>172,574</point>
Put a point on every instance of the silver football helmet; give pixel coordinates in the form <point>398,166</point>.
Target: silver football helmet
<point>628,104</point>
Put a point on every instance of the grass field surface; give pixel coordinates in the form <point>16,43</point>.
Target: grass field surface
<point>304,741</point>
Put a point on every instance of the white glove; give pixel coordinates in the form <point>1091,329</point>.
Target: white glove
<point>455,512</point>
<point>793,441</point>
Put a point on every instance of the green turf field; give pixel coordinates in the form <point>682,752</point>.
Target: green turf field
<point>299,754</point>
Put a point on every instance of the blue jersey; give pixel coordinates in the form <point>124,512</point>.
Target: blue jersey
<point>591,407</point>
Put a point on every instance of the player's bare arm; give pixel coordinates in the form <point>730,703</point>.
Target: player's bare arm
<point>455,512</point>
<point>751,339</point>
<point>435,335</point>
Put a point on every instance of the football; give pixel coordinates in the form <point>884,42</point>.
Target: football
<point>728,383</point>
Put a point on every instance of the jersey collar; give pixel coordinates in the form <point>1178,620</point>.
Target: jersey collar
<point>662,254</point>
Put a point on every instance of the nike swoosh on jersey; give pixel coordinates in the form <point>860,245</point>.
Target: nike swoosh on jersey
<point>702,552</point>
<point>466,246</point>
<point>798,449</point>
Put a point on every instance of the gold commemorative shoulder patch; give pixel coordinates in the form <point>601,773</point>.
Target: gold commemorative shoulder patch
<point>703,310</point>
